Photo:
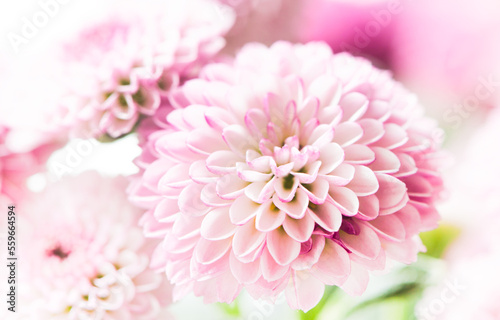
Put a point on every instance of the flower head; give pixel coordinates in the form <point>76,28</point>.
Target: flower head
<point>85,257</point>
<point>125,64</point>
<point>288,170</point>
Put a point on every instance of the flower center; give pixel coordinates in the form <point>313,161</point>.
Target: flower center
<point>58,251</point>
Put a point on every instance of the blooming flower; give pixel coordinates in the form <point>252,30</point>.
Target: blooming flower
<point>124,65</point>
<point>288,170</point>
<point>84,256</point>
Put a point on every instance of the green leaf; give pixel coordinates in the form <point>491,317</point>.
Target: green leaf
<point>232,310</point>
<point>438,240</point>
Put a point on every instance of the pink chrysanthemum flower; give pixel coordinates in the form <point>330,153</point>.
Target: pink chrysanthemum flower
<point>123,66</point>
<point>288,170</point>
<point>84,257</point>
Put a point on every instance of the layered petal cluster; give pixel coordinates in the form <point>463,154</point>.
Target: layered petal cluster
<point>290,169</point>
<point>84,255</point>
<point>124,65</point>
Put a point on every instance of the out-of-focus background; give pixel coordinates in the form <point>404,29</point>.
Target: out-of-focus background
<point>446,51</point>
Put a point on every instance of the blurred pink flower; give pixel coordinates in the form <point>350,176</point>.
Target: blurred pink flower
<point>17,165</point>
<point>264,21</point>
<point>287,170</point>
<point>445,50</point>
<point>121,67</point>
<point>448,47</point>
<point>359,28</point>
<point>470,288</point>
<point>84,257</point>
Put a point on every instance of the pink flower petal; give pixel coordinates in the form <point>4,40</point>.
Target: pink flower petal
<point>218,118</point>
<point>190,203</point>
<point>379,263</point>
<point>262,164</point>
<point>354,106</point>
<point>394,137</point>
<point>205,141</point>
<point>286,193</point>
<point>176,177</point>
<point>216,225</point>
<point>418,186</point>
<point>385,161</point>
<point>174,146</point>
<point>379,110</point>
<point>230,186</point>
<point>260,192</point>
<point>305,261</point>
<point>316,191</point>
<point>390,227</point>
<point>347,133</point>
<point>333,265</point>
<point>326,88</point>
<point>299,229</point>
<point>295,208</point>
<point>320,136</point>
<point>366,244</point>
<point>373,130</point>
<point>238,139</point>
<point>309,109</point>
<point>341,175</point>
<point>249,175</point>
<point>368,207</point>
<point>304,291</point>
<point>358,154</point>
<point>410,218</point>
<point>391,192</point>
<point>245,273</point>
<point>364,182</point>
<point>271,271</point>
<point>222,161</point>
<point>282,170</point>
<point>345,199</point>
<point>243,210</point>
<point>327,216</point>
<point>199,173</point>
<point>331,156</point>
<point>208,251</point>
<point>429,216</point>
<point>358,280</point>
<point>166,210</point>
<point>408,166</point>
<point>269,217</point>
<point>406,251</point>
<point>186,227</point>
<point>247,239</point>
<point>310,174</point>
<point>210,197</point>
<point>282,247</point>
